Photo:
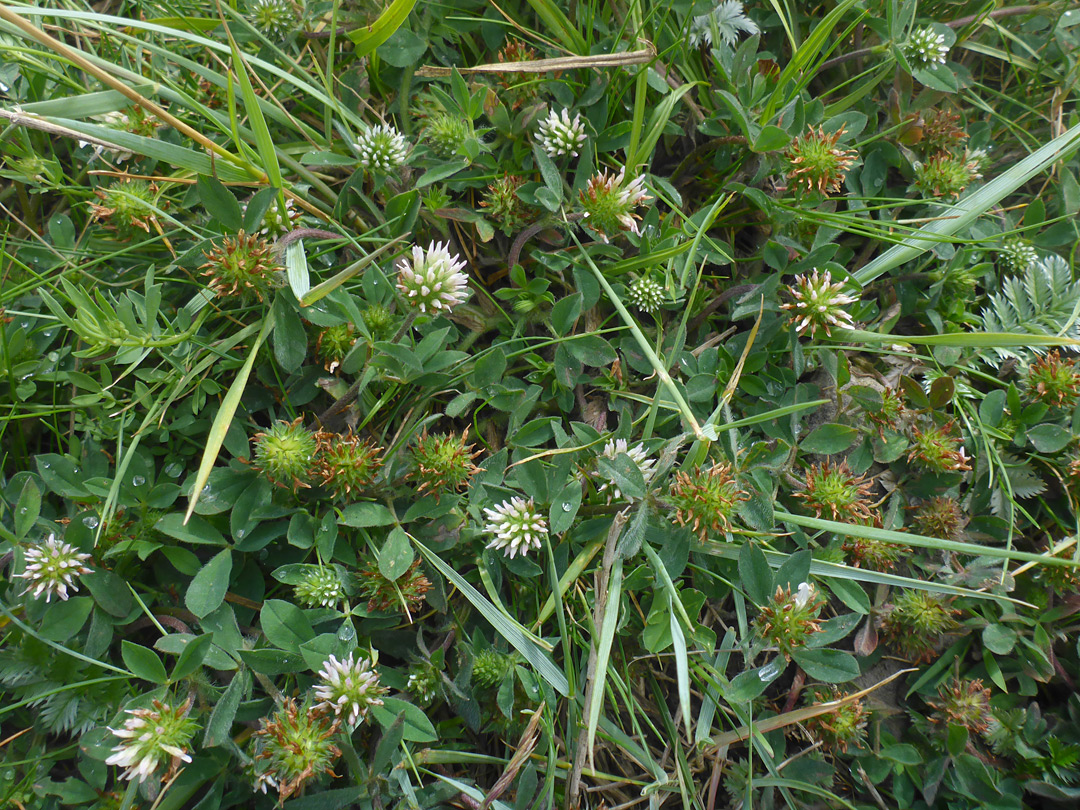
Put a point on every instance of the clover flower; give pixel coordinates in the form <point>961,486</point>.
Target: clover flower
<point>51,569</point>
<point>151,738</point>
<point>646,294</point>
<point>333,344</point>
<point>637,454</point>
<point>293,747</point>
<point>561,135</point>
<point>350,686</point>
<point>320,587</point>
<point>874,555</point>
<point>728,19</point>
<point>609,205</point>
<point>503,204</point>
<point>818,302</point>
<point>814,158</point>
<point>926,48</point>
<point>490,666</point>
<point>382,147</point>
<point>432,280</point>
<point>942,517</point>
<point>423,681</point>
<point>516,525</point>
<point>126,204</point>
<point>275,18</point>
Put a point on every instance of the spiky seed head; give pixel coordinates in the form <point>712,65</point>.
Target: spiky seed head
<point>443,462</point>
<point>503,204</point>
<point>842,728</point>
<point>126,204</point>
<point>926,48</point>
<point>819,303</point>
<point>516,527</point>
<point>333,344</point>
<point>834,489</point>
<point>814,159</point>
<point>941,517</point>
<point>320,587</point>
<point>403,595</point>
<point>871,554</point>
<point>346,464</point>
<point>151,738</point>
<point>608,202</point>
<point>490,667</point>
<point>349,688</point>
<point>1018,255</point>
<point>937,449</point>
<point>379,321</point>
<point>791,618</point>
<point>963,703</point>
<point>940,132</point>
<point>432,280</point>
<point>945,175</point>
<point>646,294</point>
<point>285,453</point>
<point>295,746</point>
<point>242,266</point>
<point>915,623</point>
<point>382,148</point>
<point>52,568</point>
<point>1053,380</point>
<point>706,499</point>
<point>446,134</point>
<point>275,18</point>
<point>562,135</point>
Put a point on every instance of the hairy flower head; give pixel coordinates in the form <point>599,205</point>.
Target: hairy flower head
<point>151,738</point>
<point>382,147</point>
<point>609,204</point>
<point>432,280</point>
<point>516,527</point>
<point>562,135</point>
<point>814,159</point>
<point>52,567</point>
<point>348,688</point>
<point>819,302</point>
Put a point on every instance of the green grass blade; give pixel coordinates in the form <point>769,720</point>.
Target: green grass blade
<point>370,37</point>
<point>263,139</point>
<point>979,340</point>
<point>516,635</point>
<point>603,654</point>
<point>216,437</point>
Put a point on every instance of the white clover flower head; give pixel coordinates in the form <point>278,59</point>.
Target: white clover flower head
<point>1019,254</point>
<point>263,781</point>
<point>804,594</point>
<point>151,738</point>
<point>320,587</point>
<point>382,147</point>
<point>637,454</point>
<point>432,281</point>
<point>348,687</point>
<point>818,302</point>
<point>646,294</point>
<point>561,135</point>
<point>516,525</point>
<point>728,19</point>
<point>51,568</point>
<point>609,205</point>
<point>275,18</point>
<point>926,48</point>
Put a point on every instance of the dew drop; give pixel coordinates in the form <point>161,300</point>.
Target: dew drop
<point>138,480</point>
<point>240,533</point>
<point>91,521</point>
<point>566,507</point>
<point>173,470</point>
<point>770,671</point>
